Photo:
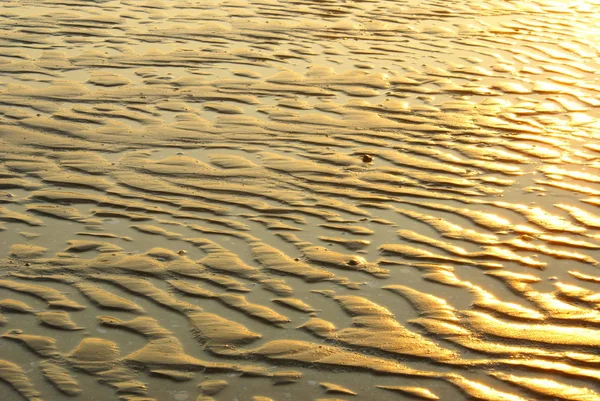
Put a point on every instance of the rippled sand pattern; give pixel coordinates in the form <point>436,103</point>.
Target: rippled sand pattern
<point>299,200</point>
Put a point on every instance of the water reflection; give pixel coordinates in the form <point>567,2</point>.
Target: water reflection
<point>356,199</point>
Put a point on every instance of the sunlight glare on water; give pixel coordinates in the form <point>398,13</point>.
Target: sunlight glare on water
<point>264,200</point>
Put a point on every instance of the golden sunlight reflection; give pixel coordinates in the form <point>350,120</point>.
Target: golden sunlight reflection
<point>263,200</point>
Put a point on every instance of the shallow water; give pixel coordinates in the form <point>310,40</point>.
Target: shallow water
<point>308,200</point>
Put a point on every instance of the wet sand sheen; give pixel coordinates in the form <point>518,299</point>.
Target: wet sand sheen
<point>313,200</point>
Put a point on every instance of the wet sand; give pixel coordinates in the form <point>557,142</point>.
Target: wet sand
<point>309,200</point>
